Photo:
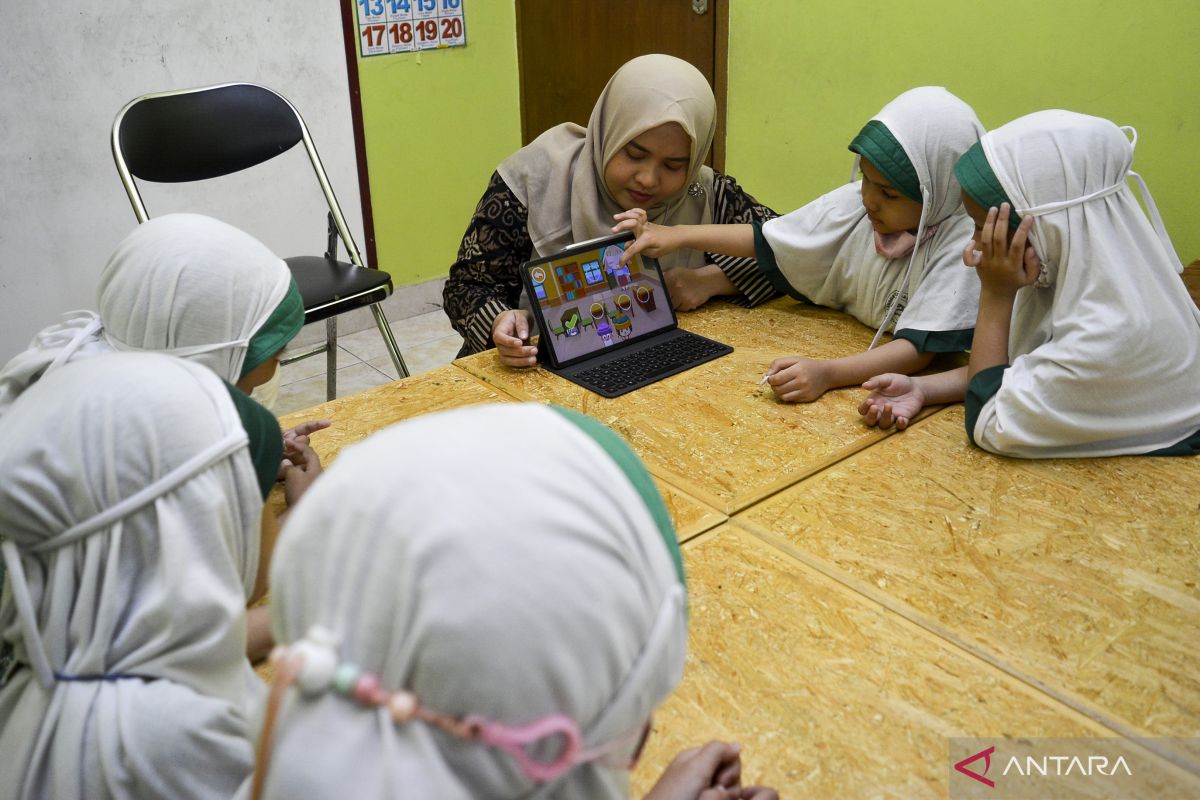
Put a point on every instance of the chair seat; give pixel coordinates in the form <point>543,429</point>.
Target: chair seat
<point>331,287</point>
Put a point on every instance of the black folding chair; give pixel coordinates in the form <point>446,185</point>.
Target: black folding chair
<point>210,131</point>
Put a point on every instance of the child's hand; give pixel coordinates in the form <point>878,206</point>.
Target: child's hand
<point>510,333</point>
<point>894,399</point>
<point>652,240</point>
<point>1004,266</point>
<point>798,380</point>
<point>294,438</point>
<point>696,772</point>
<point>297,478</point>
<point>691,288</point>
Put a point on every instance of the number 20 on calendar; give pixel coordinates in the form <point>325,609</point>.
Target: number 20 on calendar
<point>403,26</point>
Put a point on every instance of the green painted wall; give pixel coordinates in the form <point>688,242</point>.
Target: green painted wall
<point>805,75</point>
<point>436,125</point>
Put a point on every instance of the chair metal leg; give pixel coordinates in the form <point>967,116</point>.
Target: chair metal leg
<point>389,340</point>
<point>331,358</point>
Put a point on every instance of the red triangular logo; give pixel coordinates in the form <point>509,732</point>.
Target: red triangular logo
<point>986,755</point>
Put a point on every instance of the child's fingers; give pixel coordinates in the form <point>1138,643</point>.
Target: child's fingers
<point>1016,248</point>
<point>986,233</point>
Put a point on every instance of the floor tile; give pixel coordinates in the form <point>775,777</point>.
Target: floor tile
<point>311,391</point>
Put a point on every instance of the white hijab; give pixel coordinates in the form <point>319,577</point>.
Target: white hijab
<point>183,284</point>
<point>559,177</point>
<point>1105,357</point>
<point>548,588</point>
<point>129,513</point>
<point>826,250</point>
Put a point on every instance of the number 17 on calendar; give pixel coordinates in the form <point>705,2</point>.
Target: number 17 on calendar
<point>403,26</point>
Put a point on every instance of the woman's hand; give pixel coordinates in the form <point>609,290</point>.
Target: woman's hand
<point>795,379</point>
<point>651,239</point>
<point>510,333</point>
<point>1004,265</point>
<point>894,400</point>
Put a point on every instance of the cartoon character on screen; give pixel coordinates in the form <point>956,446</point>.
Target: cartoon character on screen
<point>618,274</point>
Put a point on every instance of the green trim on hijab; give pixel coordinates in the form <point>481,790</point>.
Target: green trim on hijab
<point>266,437</point>
<point>632,466</point>
<point>876,144</point>
<point>980,183</point>
<point>280,328</point>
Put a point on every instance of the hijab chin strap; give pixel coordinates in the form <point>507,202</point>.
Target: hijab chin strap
<point>902,289</point>
<point>111,517</point>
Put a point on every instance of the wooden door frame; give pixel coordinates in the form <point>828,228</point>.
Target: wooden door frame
<point>720,8</point>
<point>350,38</point>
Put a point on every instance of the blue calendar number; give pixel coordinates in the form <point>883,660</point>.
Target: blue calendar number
<point>426,5</point>
<point>450,5</point>
<point>400,5</point>
<point>371,7</point>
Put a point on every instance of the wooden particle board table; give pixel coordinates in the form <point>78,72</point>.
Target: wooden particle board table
<point>1081,577</point>
<point>830,693</point>
<point>714,431</point>
<point>860,597</point>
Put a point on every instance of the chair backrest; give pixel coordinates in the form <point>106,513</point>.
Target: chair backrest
<point>210,131</point>
<point>204,133</point>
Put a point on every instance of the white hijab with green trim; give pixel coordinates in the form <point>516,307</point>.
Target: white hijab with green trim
<point>129,518</point>
<point>183,284</point>
<point>1105,358</point>
<point>826,249</point>
<point>551,586</point>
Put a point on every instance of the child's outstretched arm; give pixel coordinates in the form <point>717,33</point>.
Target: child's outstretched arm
<point>688,288</point>
<point>659,240</point>
<point>796,379</point>
<point>896,399</point>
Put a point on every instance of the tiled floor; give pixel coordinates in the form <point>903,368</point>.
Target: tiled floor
<point>426,341</point>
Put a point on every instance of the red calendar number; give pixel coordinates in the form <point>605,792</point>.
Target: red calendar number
<point>373,34</point>
<point>402,32</point>
<point>452,27</point>
<point>427,29</point>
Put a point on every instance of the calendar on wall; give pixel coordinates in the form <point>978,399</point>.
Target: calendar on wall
<point>405,26</point>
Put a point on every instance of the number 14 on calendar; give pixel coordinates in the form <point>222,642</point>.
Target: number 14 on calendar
<point>402,26</point>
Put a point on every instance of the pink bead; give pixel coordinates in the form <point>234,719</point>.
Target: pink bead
<point>402,705</point>
<point>365,688</point>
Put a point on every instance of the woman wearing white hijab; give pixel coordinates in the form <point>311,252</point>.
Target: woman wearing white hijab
<point>512,643</point>
<point>886,249</point>
<point>1087,343</point>
<point>644,147</point>
<point>131,486</point>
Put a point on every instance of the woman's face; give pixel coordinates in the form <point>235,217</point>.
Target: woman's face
<point>650,168</point>
<point>888,209</point>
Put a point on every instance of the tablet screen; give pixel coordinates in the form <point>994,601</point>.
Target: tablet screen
<point>588,302</point>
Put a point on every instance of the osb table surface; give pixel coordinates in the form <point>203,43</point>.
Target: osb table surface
<point>713,430</point>
<point>830,693</point>
<point>1079,576</point>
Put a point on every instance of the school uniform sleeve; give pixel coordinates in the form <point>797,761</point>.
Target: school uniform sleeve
<point>485,279</point>
<point>939,316</point>
<point>980,390</point>
<point>732,205</point>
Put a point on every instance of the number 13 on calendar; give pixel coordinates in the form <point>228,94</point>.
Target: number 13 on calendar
<point>402,26</point>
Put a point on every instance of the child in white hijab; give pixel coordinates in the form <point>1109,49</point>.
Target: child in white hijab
<point>644,147</point>
<point>886,249</point>
<point>194,287</point>
<point>512,643</point>
<point>1087,343</point>
<point>182,284</point>
<point>131,486</point>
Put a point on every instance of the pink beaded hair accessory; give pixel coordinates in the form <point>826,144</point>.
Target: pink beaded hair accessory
<point>312,665</point>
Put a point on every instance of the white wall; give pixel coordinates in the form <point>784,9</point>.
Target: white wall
<point>69,67</point>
